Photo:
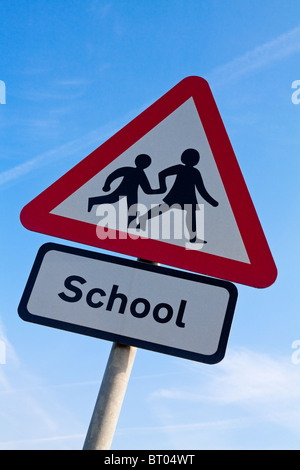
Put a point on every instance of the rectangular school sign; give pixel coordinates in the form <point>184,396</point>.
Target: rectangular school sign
<point>131,302</point>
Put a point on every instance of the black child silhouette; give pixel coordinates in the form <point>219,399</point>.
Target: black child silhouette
<point>183,192</point>
<point>133,178</point>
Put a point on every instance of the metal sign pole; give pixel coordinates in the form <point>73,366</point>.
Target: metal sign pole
<point>111,395</point>
<point>110,398</point>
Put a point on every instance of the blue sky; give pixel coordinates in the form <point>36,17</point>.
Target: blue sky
<point>75,73</point>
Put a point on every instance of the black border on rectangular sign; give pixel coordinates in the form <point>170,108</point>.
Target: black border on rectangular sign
<point>212,359</point>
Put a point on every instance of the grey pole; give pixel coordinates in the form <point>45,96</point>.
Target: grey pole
<point>110,398</point>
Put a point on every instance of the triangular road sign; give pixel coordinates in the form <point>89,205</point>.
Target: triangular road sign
<point>175,155</point>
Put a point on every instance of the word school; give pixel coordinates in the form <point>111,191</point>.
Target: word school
<point>118,301</point>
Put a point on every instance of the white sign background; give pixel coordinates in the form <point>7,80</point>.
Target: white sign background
<point>207,316</point>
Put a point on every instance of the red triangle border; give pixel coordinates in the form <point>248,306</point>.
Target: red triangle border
<point>260,272</point>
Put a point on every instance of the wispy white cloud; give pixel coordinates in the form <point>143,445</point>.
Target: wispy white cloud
<point>182,427</point>
<point>250,377</point>
<point>41,387</point>
<point>34,417</point>
<point>85,143</point>
<point>265,386</point>
<point>276,50</point>
<point>41,442</point>
<point>73,82</point>
<point>54,94</point>
<point>99,8</point>
<point>81,146</point>
<point>250,400</point>
<point>32,414</point>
